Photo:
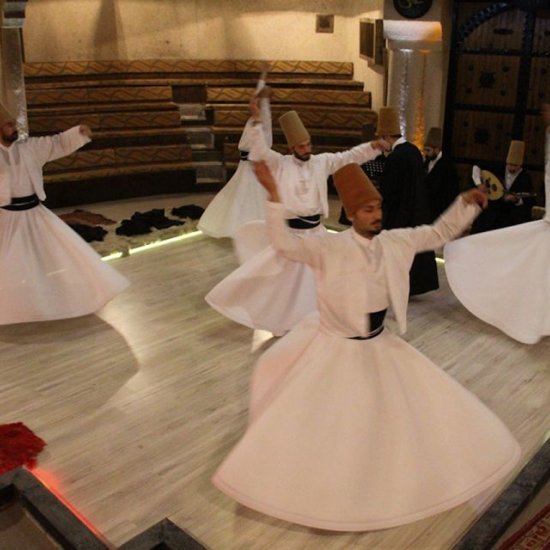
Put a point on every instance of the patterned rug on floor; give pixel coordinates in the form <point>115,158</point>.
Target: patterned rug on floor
<point>115,243</point>
<point>121,243</point>
<point>534,535</point>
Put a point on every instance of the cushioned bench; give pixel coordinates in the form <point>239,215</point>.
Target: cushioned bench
<point>134,108</point>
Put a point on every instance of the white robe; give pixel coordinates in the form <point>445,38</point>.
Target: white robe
<point>242,198</point>
<point>354,435</point>
<point>503,276</point>
<point>47,271</point>
<point>268,291</point>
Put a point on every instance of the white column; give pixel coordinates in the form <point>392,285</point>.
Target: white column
<point>12,82</point>
<point>415,86</point>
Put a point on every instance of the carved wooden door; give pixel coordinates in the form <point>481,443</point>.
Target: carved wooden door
<point>499,75</point>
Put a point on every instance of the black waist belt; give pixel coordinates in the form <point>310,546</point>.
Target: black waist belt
<point>243,155</point>
<point>304,222</point>
<point>376,320</point>
<point>22,203</point>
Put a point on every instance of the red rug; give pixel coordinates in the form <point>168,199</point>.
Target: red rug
<point>18,446</point>
<point>534,535</point>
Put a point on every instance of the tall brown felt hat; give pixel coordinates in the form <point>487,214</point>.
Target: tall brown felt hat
<point>354,188</point>
<point>5,114</point>
<point>294,129</point>
<point>388,122</point>
<point>515,152</point>
<point>434,137</point>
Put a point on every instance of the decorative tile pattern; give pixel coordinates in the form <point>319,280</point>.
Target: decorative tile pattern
<point>174,66</point>
<point>291,95</point>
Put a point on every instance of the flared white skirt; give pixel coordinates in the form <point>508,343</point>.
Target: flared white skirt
<point>242,199</point>
<point>268,292</point>
<point>503,278</point>
<point>47,271</point>
<point>352,435</point>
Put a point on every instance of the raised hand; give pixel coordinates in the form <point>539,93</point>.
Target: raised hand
<point>85,130</point>
<point>476,196</point>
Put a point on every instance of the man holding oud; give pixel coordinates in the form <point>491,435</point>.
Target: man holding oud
<point>512,194</point>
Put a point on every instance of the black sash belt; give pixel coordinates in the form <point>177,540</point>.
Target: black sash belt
<point>22,203</point>
<point>304,222</point>
<point>376,320</point>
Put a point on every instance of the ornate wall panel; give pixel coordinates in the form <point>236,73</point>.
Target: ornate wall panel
<point>541,38</point>
<point>498,78</point>
<point>502,32</point>
<point>489,80</point>
<point>481,135</point>
<point>539,83</point>
<point>467,11</point>
<point>534,140</point>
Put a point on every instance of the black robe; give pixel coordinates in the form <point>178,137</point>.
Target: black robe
<point>406,205</point>
<point>442,184</point>
<point>501,213</point>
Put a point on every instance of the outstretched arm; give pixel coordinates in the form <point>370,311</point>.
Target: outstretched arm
<point>359,154</point>
<point>49,148</point>
<point>450,224</point>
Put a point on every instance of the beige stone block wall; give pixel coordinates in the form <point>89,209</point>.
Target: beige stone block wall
<point>62,30</point>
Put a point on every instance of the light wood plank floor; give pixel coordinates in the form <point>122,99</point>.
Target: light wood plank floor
<point>140,403</point>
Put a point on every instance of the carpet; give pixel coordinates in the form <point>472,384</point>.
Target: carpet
<point>113,243</point>
<point>19,446</point>
<point>534,535</point>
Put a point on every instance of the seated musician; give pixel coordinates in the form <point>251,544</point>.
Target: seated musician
<point>512,205</point>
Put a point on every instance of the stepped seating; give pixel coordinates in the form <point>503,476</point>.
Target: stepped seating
<point>335,118</point>
<point>116,161</point>
<point>138,111</point>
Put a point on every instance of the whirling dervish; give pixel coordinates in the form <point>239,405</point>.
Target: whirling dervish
<point>47,271</point>
<point>503,276</point>
<point>241,200</point>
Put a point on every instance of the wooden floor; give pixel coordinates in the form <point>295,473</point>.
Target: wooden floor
<point>140,403</point>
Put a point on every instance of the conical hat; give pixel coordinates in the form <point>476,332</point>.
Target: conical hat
<point>516,152</point>
<point>354,188</point>
<point>295,131</point>
<point>388,122</point>
<point>434,138</point>
<point>5,114</point>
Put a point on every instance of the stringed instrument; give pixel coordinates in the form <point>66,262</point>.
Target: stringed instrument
<point>496,189</point>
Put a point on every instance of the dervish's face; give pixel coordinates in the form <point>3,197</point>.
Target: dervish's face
<point>430,152</point>
<point>367,220</point>
<point>302,151</point>
<point>513,168</point>
<point>8,132</point>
